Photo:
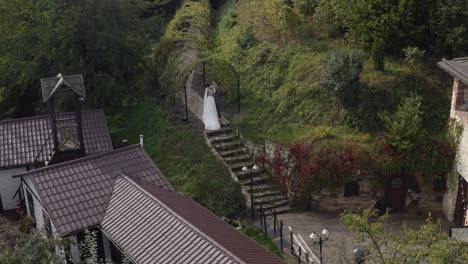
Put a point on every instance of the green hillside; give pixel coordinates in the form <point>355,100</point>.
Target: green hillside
<point>320,73</point>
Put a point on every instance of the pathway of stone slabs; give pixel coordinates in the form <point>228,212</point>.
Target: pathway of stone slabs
<point>341,241</point>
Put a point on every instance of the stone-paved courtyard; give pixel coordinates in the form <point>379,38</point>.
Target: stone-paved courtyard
<point>341,241</point>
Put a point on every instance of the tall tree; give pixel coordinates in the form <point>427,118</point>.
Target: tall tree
<point>105,40</point>
<point>428,244</point>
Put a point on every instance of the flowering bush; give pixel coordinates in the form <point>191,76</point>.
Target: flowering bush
<point>431,160</point>
<point>300,167</point>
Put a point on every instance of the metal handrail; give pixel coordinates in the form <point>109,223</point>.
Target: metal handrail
<point>42,149</point>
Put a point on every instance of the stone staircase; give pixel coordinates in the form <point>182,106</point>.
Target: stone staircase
<point>228,145</point>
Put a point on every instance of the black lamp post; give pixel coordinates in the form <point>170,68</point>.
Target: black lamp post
<point>320,245</point>
<point>326,233</point>
<point>245,169</point>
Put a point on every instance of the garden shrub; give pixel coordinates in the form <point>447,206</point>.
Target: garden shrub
<point>26,224</point>
<point>330,17</point>
<point>413,55</point>
<point>404,127</point>
<point>340,75</point>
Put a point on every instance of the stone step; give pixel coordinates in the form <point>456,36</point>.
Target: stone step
<point>237,158</point>
<point>238,166</point>
<point>244,175</point>
<point>279,210</point>
<point>232,152</point>
<point>272,205</point>
<point>223,138</point>
<point>228,145</point>
<point>255,180</point>
<point>222,130</point>
<point>265,193</point>
<point>270,199</point>
<point>261,187</point>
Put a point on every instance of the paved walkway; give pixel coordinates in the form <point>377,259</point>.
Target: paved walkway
<point>341,241</point>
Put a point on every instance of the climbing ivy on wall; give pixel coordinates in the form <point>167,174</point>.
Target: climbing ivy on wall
<point>187,33</point>
<point>455,131</point>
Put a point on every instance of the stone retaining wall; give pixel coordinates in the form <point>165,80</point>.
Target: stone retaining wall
<point>334,200</point>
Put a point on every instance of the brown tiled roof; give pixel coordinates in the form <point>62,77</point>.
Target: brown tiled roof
<point>51,85</point>
<point>21,140</point>
<point>458,68</point>
<point>153,225</point>
<point>76,193</point>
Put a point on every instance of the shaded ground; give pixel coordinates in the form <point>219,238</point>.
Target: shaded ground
<point>341,241</point>
<point>8,226</point>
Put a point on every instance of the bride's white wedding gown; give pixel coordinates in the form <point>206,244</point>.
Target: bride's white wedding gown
<point>210,114</point>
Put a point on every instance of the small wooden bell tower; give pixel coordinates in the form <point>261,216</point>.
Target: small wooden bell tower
<point>64,94</point>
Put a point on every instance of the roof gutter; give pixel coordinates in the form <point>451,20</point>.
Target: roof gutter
<point>449,68</point>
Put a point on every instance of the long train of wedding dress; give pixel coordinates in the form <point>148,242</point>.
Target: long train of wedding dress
<point>210,114</point>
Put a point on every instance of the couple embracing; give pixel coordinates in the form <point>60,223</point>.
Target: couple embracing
<point>211,113</point>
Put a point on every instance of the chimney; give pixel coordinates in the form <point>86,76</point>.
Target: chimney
<point>141,140</point>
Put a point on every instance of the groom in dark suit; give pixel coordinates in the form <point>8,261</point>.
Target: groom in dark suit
<point>216,95</point>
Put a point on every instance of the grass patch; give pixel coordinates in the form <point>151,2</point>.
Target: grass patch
<point>257,235</point>
<point>182,156</point>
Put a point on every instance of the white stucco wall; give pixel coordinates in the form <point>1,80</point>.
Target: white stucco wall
<point>9,186</point>
<point>462,118</point>
<point>38,208</point>
<point>450,196</point>
<point>462,166</point>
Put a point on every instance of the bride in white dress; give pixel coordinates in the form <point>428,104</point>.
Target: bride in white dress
<point>210,114</point>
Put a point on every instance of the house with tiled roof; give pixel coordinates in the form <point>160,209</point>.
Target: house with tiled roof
<point>64,168</point>
<point>32,142</point>
<point>137,213</point>
<point>456,197</point>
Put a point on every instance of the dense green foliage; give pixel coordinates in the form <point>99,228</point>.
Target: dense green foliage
<point>189,30</point>
<point>435,25</point>
<point>182,155</point>
<point>258,235</point>
<point>428,244</point>
<point>368,20</point>
<point>38,247</point>
<point>300,84</point>
<point>341,75</point>
<point>404,126</point>
<point>307,7</point>
<point>378,54</point>
<point>106,41</point>
<point>30,248</point>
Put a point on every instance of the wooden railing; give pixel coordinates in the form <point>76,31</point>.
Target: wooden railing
<point>300,249</point>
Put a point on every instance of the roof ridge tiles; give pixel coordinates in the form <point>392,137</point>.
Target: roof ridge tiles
<point>86,158</point>
<point>461,59</point>
<point>202,234</point>
<point>46,115</point>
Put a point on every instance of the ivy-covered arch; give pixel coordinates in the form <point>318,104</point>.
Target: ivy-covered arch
<point>225,74</point>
